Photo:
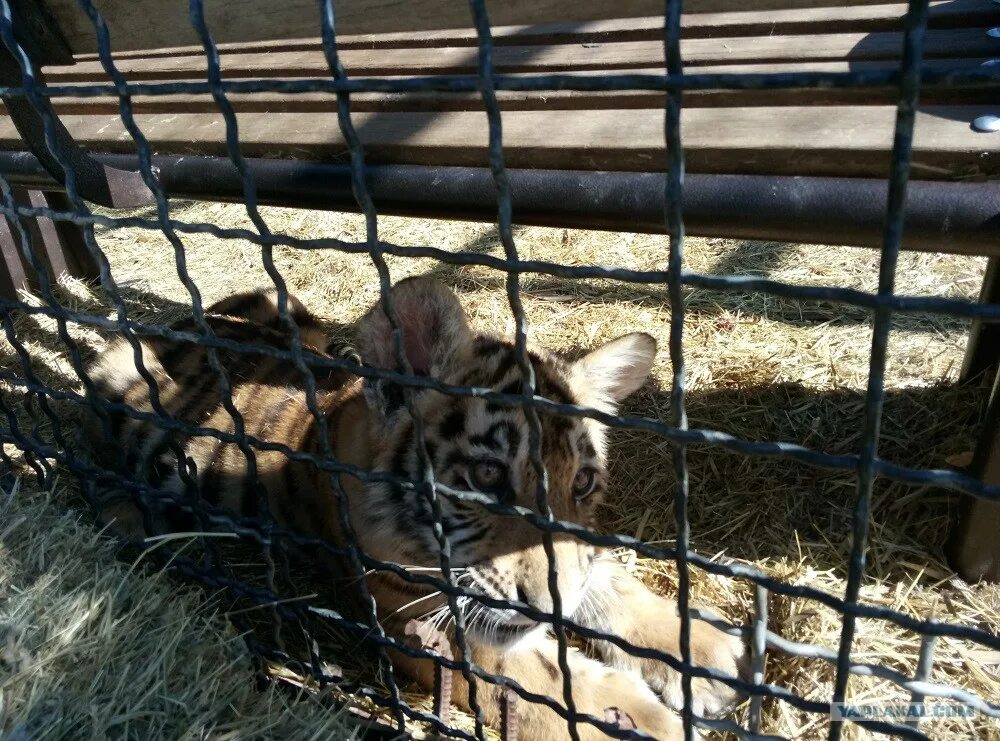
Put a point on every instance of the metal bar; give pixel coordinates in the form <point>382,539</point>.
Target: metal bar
<point>508,715</point>
<point>895,224</point>
<point>925,664</point>
<point>504,221</point>
<point>504,216</point>
<point>424,635</point>
<point>958,217</point>
<point>673,220</point>
<point>759,655</point>
<point>365,204</point>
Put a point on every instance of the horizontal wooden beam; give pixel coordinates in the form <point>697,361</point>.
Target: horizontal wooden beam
<point>154,24</point>
<point>839,19</point>
<point>524,101</point>
<point>616,55</point>
<point>818,140</point>
<point>511,100</point>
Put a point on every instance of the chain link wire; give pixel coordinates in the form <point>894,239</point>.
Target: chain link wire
<point>47,448</point>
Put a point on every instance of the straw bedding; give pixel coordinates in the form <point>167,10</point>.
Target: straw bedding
<point>758,367</point>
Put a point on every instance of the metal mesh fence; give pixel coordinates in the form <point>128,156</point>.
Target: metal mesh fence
<point>53,449</point>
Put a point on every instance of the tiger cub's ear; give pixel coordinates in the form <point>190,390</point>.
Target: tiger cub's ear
<point>605,376</point>
<point>436,335</point>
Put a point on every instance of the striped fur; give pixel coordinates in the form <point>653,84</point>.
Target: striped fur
<point>468,440</point>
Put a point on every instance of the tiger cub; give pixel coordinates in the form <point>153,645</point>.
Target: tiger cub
<point>474,445</point>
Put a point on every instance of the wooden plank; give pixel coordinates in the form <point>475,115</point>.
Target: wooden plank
<point>819,140</point>
<point>863,18</point>
<point>41,231</point>
<point>274,102</point>
<point>837,19</point>
<point>154,24</point>
<point>526,101</point>
<point>15,276</point>
<point>618,55</point>
<point>60,243</point>
<point>982,353</point>
<point>973,547</point>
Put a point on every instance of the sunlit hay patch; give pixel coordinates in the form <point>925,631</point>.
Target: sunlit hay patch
<point>758,367</point>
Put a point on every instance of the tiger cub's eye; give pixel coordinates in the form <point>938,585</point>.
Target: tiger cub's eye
<point>489,475</point>
<point>583,483</point>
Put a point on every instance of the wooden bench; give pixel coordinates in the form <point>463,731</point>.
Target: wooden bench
<point>807,161</point>
<point>810,132</point>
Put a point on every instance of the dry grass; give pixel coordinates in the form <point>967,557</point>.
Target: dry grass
<point>94,647</point>
<point>759,367</point>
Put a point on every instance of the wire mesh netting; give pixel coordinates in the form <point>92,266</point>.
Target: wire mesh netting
<point>38,425</point>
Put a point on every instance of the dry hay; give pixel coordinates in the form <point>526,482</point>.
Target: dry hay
<point>94,647</point>
<point>759,367</point>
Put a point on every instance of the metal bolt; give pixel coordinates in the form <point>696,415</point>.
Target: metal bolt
<point>987,124</point>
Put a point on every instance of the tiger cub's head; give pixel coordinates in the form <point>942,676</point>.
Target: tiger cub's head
<point>479,446</point>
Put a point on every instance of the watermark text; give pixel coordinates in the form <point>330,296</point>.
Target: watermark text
<point>899,711</point>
